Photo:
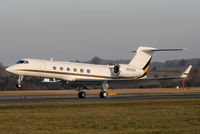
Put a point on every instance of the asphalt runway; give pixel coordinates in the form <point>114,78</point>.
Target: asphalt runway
<point>96,98</point>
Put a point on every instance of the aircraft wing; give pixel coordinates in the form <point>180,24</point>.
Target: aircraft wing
<point>131,82</point>
<point>123,83</point>
<point>122,80</point>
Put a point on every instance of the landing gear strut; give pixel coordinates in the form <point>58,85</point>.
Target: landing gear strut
<point>19,80</point>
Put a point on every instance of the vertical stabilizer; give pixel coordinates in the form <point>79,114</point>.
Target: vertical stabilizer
<point>143,57</point>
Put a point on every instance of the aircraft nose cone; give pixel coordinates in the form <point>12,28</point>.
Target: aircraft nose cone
<point>9,69</point>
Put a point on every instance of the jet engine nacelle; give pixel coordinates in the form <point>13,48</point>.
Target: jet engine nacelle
<point>123,70</point>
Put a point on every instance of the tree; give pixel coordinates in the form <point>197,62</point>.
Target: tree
<point>182,63</point>
<point>198,64</point>
<point>96,60</point>
<point>154,68</point>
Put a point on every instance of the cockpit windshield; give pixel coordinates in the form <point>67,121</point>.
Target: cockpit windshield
<point>22,62</point>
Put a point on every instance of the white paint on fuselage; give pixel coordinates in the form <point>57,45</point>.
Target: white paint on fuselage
<point>44,68</point>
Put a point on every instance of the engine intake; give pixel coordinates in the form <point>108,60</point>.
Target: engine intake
<point>116,70</point>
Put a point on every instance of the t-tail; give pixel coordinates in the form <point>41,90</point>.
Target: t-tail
<point>143,57</point>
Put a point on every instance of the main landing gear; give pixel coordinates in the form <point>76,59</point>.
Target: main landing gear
<point>19,80</point>
<point>82,94</point>
<point>102,94</point>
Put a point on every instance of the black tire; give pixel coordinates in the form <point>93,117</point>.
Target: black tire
<point>18,86</point>
<point>103,94</point>
<point>82,95</point>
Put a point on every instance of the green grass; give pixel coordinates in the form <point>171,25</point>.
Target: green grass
<point>164,116</point>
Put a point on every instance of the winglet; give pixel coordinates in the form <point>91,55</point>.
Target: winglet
<point>186,73</point>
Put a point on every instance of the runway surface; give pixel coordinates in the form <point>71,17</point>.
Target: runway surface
<point>96,98</point>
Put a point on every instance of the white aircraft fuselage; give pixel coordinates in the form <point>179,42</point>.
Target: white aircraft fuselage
<point>69,71</point>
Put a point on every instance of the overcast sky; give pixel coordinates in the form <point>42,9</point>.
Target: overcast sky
<point>81,29</point>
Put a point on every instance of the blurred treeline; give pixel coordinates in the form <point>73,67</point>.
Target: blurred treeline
<point>158,69</point>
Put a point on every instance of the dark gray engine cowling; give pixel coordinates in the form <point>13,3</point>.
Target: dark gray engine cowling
<point>124,70</point>
<point>116,70</point>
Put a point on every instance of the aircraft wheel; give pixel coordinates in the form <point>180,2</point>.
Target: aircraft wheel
<point>18,85</point>
<point>103,94</point>
<point>82,94</point>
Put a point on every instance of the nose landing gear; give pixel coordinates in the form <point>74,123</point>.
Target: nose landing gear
<point>19,80</point>
<point>18,85</point>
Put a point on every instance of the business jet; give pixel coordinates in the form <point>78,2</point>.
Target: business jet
<point>84,75</point>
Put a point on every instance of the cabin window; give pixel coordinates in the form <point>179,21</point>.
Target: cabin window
<point>54,68</point>
<point>22,62</point>
<point>88,71</point>
<point>68,69</point>
<point>75,69</point>
<point>61,68</point>
<point>81,70</point>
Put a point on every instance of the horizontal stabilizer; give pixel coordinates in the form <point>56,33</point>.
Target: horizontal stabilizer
<point>155,50</point>
<point>168,50</point>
